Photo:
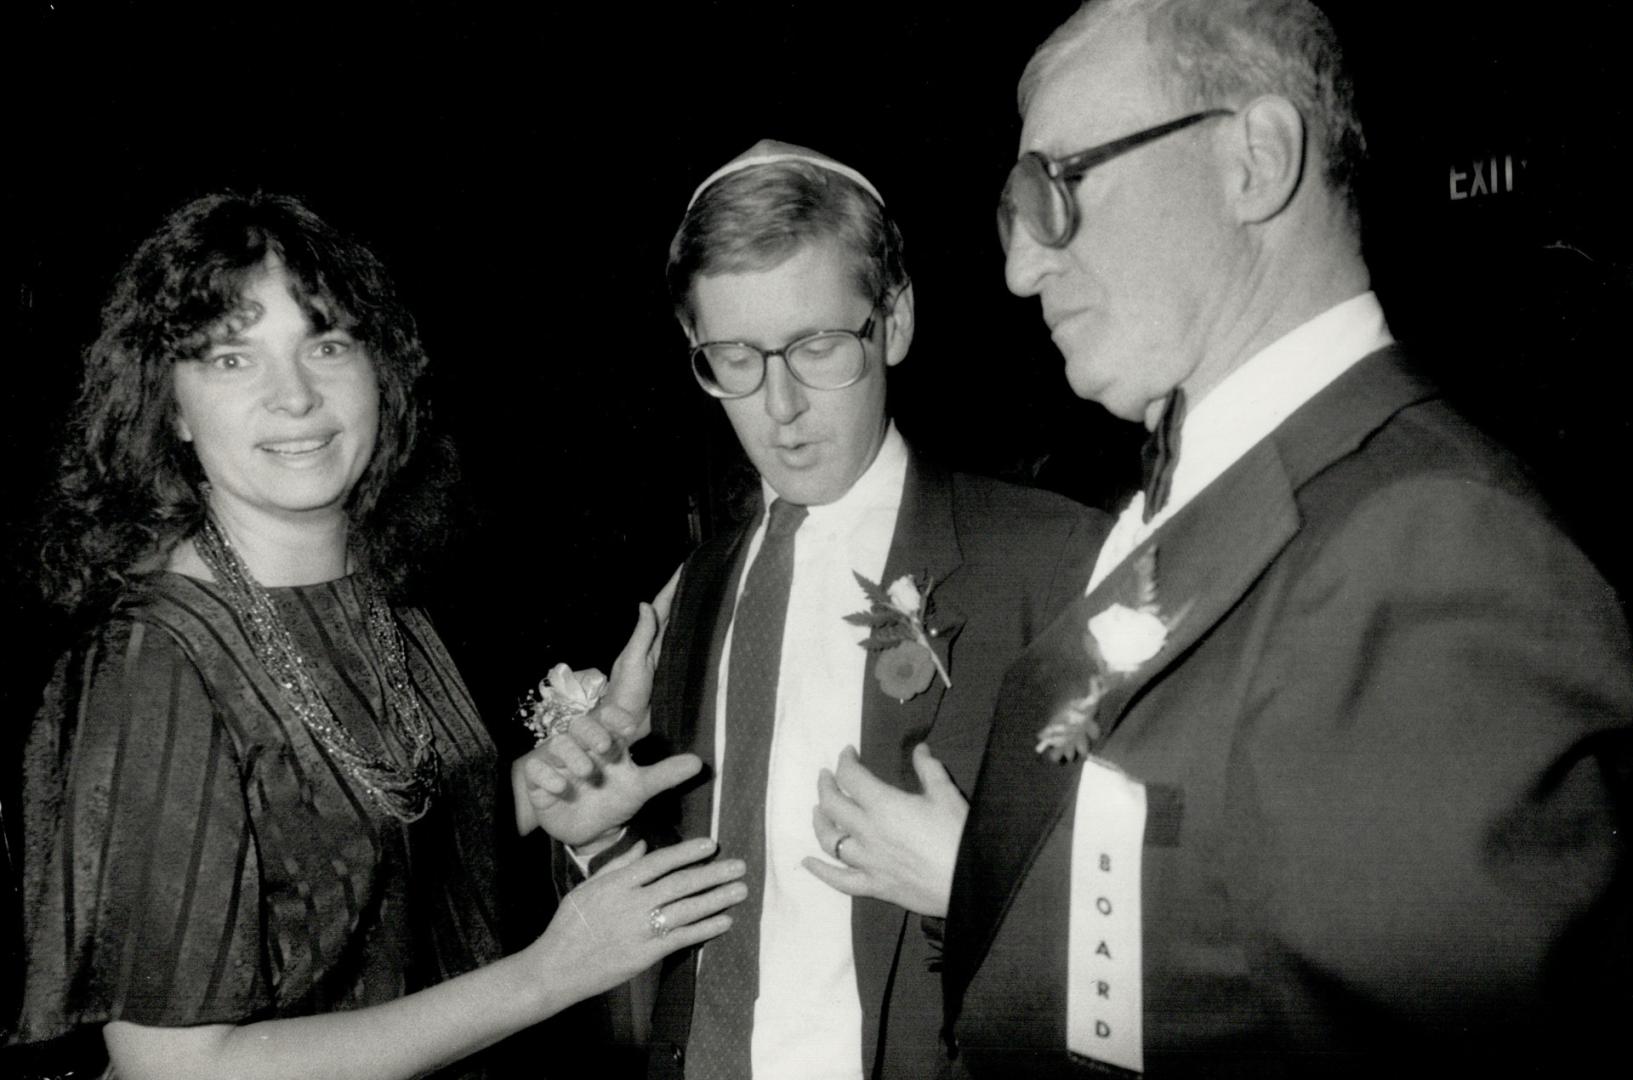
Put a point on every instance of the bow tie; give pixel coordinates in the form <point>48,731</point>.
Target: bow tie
<point>1160,454</point>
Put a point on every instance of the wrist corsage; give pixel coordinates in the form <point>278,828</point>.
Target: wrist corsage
<point>897,621</point>
<point>563,694</point>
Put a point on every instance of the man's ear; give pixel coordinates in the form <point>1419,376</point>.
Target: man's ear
<point>899,326</point>
<point>1270,158</point>
<point>686,328</point>
<point>179,426</point>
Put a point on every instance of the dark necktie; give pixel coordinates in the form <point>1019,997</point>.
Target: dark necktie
<point>728,979</point>
<point>1160,454</point>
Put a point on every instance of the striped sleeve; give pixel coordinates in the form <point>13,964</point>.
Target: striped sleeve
<point>142,899</point>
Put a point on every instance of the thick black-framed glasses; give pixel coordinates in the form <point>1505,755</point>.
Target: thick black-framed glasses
<point>1038,192</point>
<point>825,360</point>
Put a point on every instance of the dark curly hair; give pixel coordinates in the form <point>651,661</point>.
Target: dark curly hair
<point>128,489</point>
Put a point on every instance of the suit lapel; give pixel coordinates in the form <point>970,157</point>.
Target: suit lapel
<point>1016,799</point>
<point>924,544</point>
<point>717,571</point>
<point>1213,550</point>
<point>683,719</point>
<point>1206,558</point>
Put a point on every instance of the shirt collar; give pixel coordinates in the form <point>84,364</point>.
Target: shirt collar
<point>1253,400</point>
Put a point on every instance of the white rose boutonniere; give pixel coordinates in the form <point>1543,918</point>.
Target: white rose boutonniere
<point>1127,637</point>
<point>1119,641</point>
<point>896,621</point>
<point>905,596</point>
<point>562,695</point>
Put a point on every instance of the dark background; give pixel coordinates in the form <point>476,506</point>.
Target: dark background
<point>522,173</point>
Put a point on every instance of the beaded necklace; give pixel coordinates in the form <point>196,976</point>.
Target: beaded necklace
<point>405,795</point>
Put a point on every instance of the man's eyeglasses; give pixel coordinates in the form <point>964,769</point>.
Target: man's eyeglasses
<point>828,360</point>
<point>1039,190</point>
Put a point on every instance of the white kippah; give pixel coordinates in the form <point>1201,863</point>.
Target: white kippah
<point>770,152</point>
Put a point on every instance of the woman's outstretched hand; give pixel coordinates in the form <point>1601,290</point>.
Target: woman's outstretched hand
<point>632,914</point>
<point>638,909</point>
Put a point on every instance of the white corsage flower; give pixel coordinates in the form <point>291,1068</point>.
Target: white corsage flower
<point>574,689</point>
<point>561,696</point>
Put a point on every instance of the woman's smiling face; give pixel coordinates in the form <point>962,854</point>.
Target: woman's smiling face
<point>282,414</point>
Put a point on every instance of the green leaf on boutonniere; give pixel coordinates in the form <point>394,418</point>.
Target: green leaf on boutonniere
<point>876,594</point>
<point>888,635</point>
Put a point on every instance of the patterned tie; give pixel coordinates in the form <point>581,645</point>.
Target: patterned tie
<point>728,979</point>
<point>1160,454</point>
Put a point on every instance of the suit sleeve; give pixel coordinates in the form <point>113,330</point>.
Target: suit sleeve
<point>1448,693</point>
<point>142,881</point>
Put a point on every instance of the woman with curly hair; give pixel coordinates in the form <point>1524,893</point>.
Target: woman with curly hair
<point>259,801</point>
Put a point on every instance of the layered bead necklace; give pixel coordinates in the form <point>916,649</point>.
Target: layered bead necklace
<point>404,794</point>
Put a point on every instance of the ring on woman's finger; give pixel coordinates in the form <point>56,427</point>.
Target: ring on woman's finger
<point>659,922</point>
<point>842,838</point>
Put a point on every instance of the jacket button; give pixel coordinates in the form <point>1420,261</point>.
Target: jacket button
<point>677,1055</point>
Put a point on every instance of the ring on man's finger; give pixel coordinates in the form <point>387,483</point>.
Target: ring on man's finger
<point>842,838</point>
<point>659,922</point>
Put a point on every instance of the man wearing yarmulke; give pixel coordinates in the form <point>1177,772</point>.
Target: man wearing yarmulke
<point>845,643</point>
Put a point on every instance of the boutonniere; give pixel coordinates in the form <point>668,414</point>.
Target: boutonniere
<point>562,695</point>
<point>896,620</point>
<point>1119,641</point>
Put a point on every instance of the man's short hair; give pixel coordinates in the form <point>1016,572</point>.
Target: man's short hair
<point>1218,52</point>
<point>758,218</point>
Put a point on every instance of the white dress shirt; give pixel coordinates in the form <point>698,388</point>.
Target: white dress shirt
<point>808,1019</point>
<point>1104,936</point>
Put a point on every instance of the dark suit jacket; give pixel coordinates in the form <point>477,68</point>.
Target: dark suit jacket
<point>1382,753</point>
<point>1005,560</point>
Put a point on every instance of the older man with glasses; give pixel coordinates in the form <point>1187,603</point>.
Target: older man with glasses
<point>1328,771</point>
<point>790,677</point>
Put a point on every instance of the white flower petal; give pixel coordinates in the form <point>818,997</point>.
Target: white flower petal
<point>577,691</point>
<point>1127,638</point>
<point>905,595</point>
